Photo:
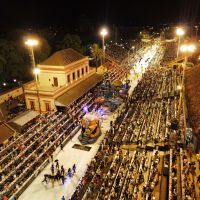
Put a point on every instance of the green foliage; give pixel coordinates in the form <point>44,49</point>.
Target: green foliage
<point>42,51</point>
<point>71,41</point>
<point>15,61</point>
<point>10,59</point>
<point>96,53</point>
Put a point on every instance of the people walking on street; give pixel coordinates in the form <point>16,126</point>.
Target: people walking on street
<point>74,169</point>
<point>63,198</point>
<point>45,178</point>
<point>61,147</point>
<point>57,164</point>
<point>52,169</point>
<point>62,171</point>
<point>69,173</point>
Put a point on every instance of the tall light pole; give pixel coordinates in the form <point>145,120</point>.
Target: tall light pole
<point>36,71</point>
<point>103,33</point>
<point>179,32</point>
<point>196,27</point>
<point>31,43</point>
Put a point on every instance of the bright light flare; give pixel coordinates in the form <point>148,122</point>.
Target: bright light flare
<point>104,32</point>
<point>191,48</point>
<point>36,71</point>
<point>180,32</point>
<point>187,48</point>
<point>31,42</point>
<point>179,87</point>
<point>85,108</point>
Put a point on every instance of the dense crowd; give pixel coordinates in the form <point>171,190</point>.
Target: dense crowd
<point>26,154</point>
<point>147,120</point>
<point>116,53</point>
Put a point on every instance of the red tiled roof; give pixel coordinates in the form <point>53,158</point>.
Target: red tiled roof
<point>63,57</point>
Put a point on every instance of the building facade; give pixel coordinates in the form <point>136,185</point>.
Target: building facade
<point>58,73</point>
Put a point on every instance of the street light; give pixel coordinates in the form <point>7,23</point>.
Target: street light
<point>103,33</point>
<point>36,71</point>
<point>187,48</point>
<point>31,43</point>
<point>179,32</point>
<point>196,27</point>
<point>179,87</point>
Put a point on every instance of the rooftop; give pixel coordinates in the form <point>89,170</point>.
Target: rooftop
<point>63,57</point>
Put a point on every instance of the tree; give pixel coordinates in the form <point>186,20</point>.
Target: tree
<point>96,53</point>
<point>71,41</point>
<point>14,55</point>
<point>10,60</point>
<point>42,51</point>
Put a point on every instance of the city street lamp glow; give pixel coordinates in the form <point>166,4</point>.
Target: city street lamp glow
<point>187,48</point>
<point>183,48</point>
<point>179,87</point>
<point>180,32</point>
<point>191,48</point>
<point>104,32</point>
<point>31,42</point>
<point>36,71</point>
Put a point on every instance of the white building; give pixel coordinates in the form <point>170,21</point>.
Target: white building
<point>59,73</point>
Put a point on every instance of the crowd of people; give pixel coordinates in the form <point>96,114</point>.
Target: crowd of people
<point>58,173</point>
<point>13,107</point>
<point>109,176</point>
<point>116,53</point>
<point>146,121</point>
<point>26,154</point>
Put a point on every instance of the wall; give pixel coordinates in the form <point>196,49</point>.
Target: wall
<point>14,93</point>
<point>46,78</point>
<point>43,100</point>
<point>47,73</point>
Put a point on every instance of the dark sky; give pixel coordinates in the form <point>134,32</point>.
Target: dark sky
<point>15,13</point>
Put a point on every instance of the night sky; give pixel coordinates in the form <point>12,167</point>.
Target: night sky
<point>21,13</point>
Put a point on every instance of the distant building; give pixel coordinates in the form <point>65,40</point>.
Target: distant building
<point>58,73</point>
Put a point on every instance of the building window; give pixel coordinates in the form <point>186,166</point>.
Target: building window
<point>47,105</point>
<point>78,73</point>
<point>55,81</point>
<point>73,75</point>
<point>86,69</point>
<point>82,71</point>
<point>68,78</point>
<point>32,104</point>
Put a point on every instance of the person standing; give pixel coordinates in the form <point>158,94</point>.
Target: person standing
<point>63,198</point>
<point>69,172</point>
<point>61,147</point>
<point>74,168</point>
<point>57,163</point>
<point>62,171</point>
<point>45,178</point>
<point>52,169</point>
<point>52,157</point>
